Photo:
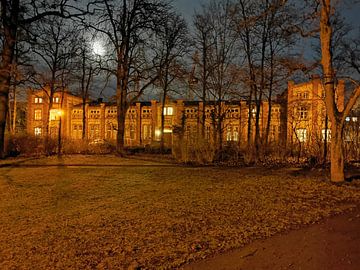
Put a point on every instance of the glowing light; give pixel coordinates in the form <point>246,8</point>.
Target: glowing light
<point>157,133</point>
<point>98,48</point>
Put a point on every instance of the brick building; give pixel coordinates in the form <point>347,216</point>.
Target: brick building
<point>298,115</point>
<point>306,111</point>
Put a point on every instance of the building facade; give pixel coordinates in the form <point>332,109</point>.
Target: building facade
<point>306,112</point>
<point>298,116</point>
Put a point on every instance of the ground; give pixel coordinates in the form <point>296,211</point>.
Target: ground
<point>103,212</point>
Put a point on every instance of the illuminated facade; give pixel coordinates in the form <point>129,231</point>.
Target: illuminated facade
<point>299,116</point>
<point>306,112</point>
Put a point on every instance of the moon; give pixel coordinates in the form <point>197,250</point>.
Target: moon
<point>98,48</point>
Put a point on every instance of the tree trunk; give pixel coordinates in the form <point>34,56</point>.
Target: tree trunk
<point>337,154</point>
<point>121,115</point>
<point>162,138</point>
<point>337,158</point>
<point>9,33</point>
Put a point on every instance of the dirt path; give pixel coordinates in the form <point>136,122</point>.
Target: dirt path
<point>332,245</point>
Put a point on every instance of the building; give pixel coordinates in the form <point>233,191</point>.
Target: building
<point>306,112</point>
<point>298,116</point>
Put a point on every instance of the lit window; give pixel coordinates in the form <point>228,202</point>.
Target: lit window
<point>303,113</point>
<point>37,114</point>
<point>55,114</point>
<point>354,119</point>
<point>168,111</point>
<point>37,131</point>
<point>228,134</point>
<point>306,95</point>
<point>328,135</point>
<point>38,100</point>
<point>347,119</point>
<point>56,99</point>
<point>301,134</point>
<point>236,134</point>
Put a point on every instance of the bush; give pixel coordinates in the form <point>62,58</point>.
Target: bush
<point>230,155</point>
<point>25,145</point>
<point>197,152</point>
<point>86,147</point>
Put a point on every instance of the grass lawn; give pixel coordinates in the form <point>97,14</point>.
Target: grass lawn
<point>151,217</point>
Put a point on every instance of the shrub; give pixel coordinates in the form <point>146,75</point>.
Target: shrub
<point>25,145</point>
<point>195,152</point>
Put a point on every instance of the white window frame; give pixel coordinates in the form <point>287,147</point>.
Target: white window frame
<point>301,134</point>
<point>328,137</point>
<point>37,131</point>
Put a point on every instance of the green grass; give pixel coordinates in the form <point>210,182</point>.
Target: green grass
<point>111,217</point>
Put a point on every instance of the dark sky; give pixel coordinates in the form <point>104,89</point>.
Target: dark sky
<point>351,9</point>
<point>187,7</point>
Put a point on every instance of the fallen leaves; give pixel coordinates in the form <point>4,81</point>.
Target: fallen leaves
<point>149,217</point>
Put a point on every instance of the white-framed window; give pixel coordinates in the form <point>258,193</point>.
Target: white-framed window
<point>301,134</point>
<point>303,112</point>
<point>38,100</point>
<point>38,131</point>
<point>168,110</point>
<point>37,114</point>
<point>328,134</point>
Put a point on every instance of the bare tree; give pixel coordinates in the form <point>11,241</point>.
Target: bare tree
<point>174,44</point>
<point>336,116</point>
<point>216,40</point>
<point>129,27</point>
<point>55,48</point>
<point>16,14</point>
<point>199,78</point>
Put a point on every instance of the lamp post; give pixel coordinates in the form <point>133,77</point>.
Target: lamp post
<point>59,113</point>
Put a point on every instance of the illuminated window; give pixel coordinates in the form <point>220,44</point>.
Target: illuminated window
<point>38,100</point>
<point>168,111</point>
<point>303,112</point>
<point>37,114</point>
<point>354,119</point>
<point>236,134</point>
<point>37,131</point>
<point>301,134</point>
<point>55,114</point>
<point>56,99</point>
<point>347,119</point>
<point>328,135</point>
<point>228,134</point>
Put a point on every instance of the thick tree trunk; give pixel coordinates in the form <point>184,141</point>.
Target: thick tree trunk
<point>9,31</point>
<point>3,115</point>
<point>337,154</point>
<point>120,134</point>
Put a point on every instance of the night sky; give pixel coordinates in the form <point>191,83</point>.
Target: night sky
<point>351,9</point>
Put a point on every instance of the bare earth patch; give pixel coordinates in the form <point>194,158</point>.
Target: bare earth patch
<point>116,213</point>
